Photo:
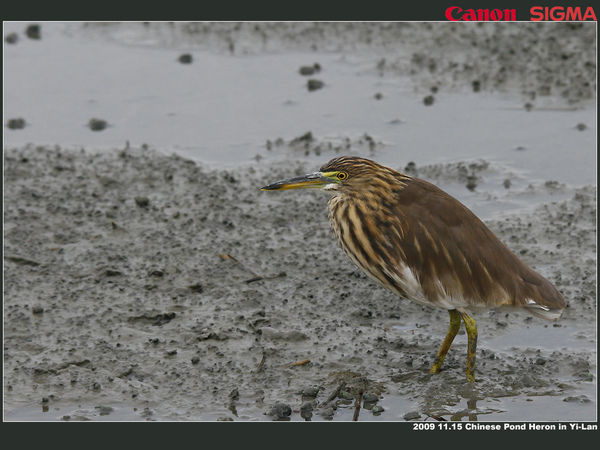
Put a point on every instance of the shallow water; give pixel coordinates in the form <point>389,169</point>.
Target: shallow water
<point>221,109</point>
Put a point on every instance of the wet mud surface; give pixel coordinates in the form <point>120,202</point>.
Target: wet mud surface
<point>141,285</point>
<point>131,279</point>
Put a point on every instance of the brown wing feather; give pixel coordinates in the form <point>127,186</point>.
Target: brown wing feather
<point>443,240</point>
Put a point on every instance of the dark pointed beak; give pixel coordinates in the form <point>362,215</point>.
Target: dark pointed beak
<point>311,180</point>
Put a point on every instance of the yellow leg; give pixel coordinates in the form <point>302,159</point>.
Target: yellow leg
<point>454,326</point>
<point>471,328</point>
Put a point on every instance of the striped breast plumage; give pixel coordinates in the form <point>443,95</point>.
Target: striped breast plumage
<point>424,245</point>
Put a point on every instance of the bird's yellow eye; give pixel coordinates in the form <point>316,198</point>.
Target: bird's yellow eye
<point>342,175</point>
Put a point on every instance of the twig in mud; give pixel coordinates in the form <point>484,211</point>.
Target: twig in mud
<point>298,363</point>
<point>226,256</point>
<point>256,277</point>
<point>335,393</point>
<point>261,363</point>
<point>357,408</point>
<point>22,261</point>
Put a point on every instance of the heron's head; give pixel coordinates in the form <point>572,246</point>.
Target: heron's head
<point>344,175</point>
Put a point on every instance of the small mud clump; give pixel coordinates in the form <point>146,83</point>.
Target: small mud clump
<point>11,38</point>
<point>16,124</point>
<point>34,31</point>
<point>185,58</point>
<point>314,84</point>
<point>97,124</point>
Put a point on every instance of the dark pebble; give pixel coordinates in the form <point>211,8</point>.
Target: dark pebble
<point>581,126</point>
<point>306,407</point>
<point>142,202</point>
<point>307,70</point>
<point>34,32</point>
<point>224,419</point>
<point>306,415</point>
<point>476,86</point>
<point>370,397</point>
<point>313,84</point>
<point>104,410</point>
<point>345,395</point>
<point>186,58</point>
<point>328,412</point>
<point>428,100</point>
<point>280,410</point>
<point>412,415</point>
<point>11,38</point>
<point>37,310</point>
<point>196,288</point>
<point>311,391</point>
<point>377,409</point>
<point>310,70</point>
<point>378,96</point>
<point>195,360</point>
<point>16,124</point>
<point>97,124</point>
